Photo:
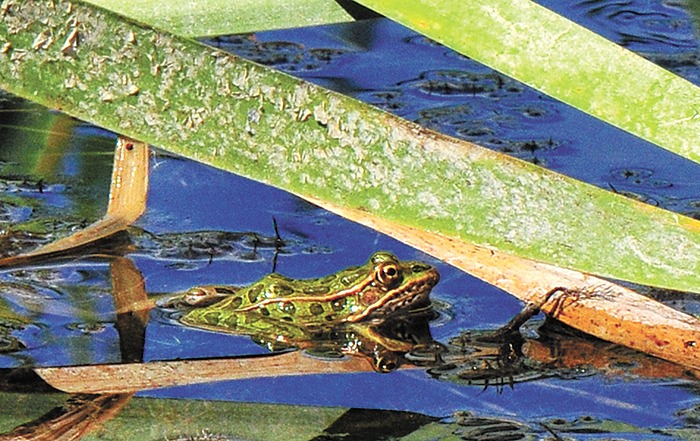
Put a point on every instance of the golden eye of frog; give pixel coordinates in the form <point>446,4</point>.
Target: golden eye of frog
<point>276,303</point>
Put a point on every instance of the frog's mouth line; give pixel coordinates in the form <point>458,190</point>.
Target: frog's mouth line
<point>412,296</point>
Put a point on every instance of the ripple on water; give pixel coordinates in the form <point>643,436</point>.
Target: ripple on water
<point>488,127</point>
<point>641,25</point>
<point>639,177</point>
<point>54,276</point>
<point>465,82</point>
<point>393,101</point>
<point>89,328</point>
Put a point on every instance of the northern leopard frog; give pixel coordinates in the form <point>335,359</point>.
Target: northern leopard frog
<point>278,311</point>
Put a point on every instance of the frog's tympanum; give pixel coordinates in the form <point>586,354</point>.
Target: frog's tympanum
<point>348,308</point>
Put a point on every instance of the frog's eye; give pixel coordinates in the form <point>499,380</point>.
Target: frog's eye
<point>388,275</point>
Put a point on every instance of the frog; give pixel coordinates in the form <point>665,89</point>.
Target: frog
<point>346,308</point>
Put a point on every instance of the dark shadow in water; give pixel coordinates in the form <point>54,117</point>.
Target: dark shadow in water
<point>365,424</point>
<point>357,11</point>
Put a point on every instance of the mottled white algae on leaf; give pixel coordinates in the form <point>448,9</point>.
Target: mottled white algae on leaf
<point>217,108</point>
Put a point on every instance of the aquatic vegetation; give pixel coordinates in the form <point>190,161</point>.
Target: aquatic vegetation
<point>93,313</point>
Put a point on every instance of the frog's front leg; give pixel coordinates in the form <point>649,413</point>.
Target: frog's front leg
<point>529,310</point>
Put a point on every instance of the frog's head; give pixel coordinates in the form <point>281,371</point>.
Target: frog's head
<point>393,285</point>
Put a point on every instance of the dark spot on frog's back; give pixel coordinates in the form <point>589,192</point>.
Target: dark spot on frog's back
<point>338,304</point>
<point>212,317</point>
<point>254,292</point>
<point>235,302</point>
<point>287,307</point>
<point>223,290</point>
<point>230,322</point>
<point>281,290</point>
<point>316,309</point>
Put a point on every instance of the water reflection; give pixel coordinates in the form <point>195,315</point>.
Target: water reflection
<point>486,358</point>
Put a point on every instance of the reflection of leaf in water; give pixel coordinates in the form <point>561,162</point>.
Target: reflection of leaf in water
<point>475,357</point>
<point>26,222</point>
<point>10,321</point>
<point>9,318</point>
<point>18,408</point>
<point>148,418</point>
<point>71,420</point>
<point>127,201</point>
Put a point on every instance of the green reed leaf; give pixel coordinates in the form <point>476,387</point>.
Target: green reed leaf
<point>217,108</point>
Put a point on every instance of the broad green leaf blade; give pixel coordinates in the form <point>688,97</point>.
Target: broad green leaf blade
<point>217,108</point>
<point>564,60</point>
<point>199,18</point>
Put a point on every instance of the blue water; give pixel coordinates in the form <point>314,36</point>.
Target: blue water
<point>387,65</point>
<point>646,404</point>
